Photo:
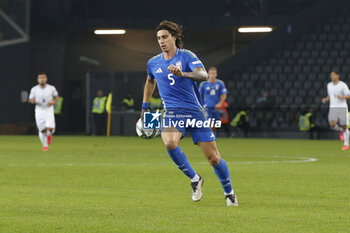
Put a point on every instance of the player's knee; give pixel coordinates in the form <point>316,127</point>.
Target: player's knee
<point>214,158</point>
<point>332,124</point>
<point>170,144</point>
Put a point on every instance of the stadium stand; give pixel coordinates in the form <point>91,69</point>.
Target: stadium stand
<point>227,8</point>
<point>296,75</point>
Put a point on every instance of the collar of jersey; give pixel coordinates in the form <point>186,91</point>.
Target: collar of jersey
<point>177,51</point>
<point>336,83</point>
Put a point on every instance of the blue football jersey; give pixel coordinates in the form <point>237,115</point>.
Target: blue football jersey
<point>211,92</point>
<point>176,92</point>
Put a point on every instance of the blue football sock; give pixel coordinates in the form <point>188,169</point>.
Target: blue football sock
<point>179,157</point>
<point>223,174</point>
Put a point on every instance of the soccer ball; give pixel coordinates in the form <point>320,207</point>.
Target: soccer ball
<point>145,133</point>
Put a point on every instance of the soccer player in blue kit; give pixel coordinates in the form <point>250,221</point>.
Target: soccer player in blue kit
<point>175,71</point>
<point>214,94</point>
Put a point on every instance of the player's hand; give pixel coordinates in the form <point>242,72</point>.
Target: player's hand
<point>32,101</point>
<point>175,70</point>
<point>51,103</point>
<point>142,111</point>
<point>218,106</point>
<point>324,100</point>
<point>341,97</point>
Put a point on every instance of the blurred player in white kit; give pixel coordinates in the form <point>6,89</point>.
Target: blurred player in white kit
<point>44,96</point>
<point>338,93</point>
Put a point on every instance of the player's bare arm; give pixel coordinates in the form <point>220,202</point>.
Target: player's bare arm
<point>199,73</point>
<point>222,101</point>
<point>53,102</point>
<point>150,86</point>
<point>342,97</point>
<point>325,100</point>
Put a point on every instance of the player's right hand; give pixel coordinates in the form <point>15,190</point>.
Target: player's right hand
<point>324,100</point>
<point>175,70</point>
<point>32,101</point>
<point>218,106</point>
<point>51,103</point>
<point>142,111</point>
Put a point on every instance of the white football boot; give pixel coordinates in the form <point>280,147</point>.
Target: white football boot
<point>231,200</point>
<point>197,189</point>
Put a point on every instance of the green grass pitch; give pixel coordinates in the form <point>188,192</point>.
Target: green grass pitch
<point>128,184</point>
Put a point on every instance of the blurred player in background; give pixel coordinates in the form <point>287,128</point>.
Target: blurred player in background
<point>44,96</point>
<point>338,93</point>
<point>175,72</point>
<point>214,94</point>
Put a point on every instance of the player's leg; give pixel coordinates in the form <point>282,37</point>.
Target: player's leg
<point>333,122</point>
<point>343,121</point>
<point>333,118</point>
<point>50,126</point>
<point>49,133</point>
<point>221,169</point>
<point>346,137</point>
<point>334,125</point>
<point>40,123</point>
<point>171,138</point>
<point>43,139</point>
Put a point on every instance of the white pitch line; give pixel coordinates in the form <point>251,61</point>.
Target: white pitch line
<point>300,160</point>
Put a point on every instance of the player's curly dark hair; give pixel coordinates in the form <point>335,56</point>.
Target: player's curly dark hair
<point>174,29</point>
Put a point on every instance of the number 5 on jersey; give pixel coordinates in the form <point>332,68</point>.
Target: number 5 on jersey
<point>171,79</point>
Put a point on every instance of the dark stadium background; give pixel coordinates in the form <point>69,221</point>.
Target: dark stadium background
<point>293,62</point>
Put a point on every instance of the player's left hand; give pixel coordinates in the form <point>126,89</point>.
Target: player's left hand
<point>51,103</point>
<point>341,97</point>
<point>175,70</point>
<point>218,106</point>
<point>32,101</point>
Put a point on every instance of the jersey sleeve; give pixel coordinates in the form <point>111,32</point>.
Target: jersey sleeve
<point>193,61</point>
<point>346,90</point>
<point>54,92</point>
<point>32,94</point>
<point>222,89</point>
<point>149,71</point>
<point>328,94</point>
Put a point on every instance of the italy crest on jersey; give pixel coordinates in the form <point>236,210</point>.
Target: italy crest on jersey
<point>179,65</point>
